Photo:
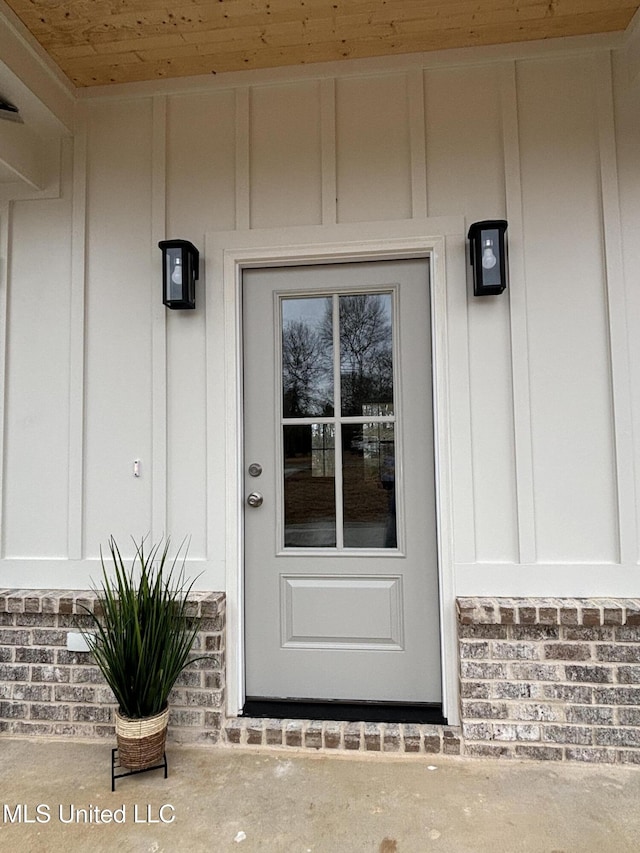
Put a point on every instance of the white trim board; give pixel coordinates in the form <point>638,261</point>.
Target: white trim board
<point>547,580</point>
<point>227,254</point>
<point>69,574</point>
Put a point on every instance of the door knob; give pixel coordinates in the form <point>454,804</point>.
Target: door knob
<point>255,499</point>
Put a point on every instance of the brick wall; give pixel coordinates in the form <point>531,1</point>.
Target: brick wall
<point>47,690</point>
<point>551,679</point>
<point>547,679</point>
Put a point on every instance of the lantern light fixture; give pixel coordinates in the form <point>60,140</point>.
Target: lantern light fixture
<point>488,256</point>
<point>180,269</point>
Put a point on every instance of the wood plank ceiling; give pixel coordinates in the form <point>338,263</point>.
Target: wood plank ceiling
<point>98,42</point>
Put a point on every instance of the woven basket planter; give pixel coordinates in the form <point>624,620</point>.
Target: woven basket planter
<point>141,742</point>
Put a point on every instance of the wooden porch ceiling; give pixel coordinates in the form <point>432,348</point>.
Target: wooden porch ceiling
<point>98,42</point>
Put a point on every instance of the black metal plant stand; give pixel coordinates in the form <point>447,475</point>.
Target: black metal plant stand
<point>115,765</point>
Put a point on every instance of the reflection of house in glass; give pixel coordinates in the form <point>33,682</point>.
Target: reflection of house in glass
<point>377,410</point>
<point>378,452</point>
<point>368,478</point>
<point>377,444</point>
<point>322,450</point>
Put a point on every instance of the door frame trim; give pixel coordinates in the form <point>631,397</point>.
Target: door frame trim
<point>440,241</point>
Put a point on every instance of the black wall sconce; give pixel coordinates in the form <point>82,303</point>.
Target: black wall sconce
<point>488,255</point>
<point>180,269</point>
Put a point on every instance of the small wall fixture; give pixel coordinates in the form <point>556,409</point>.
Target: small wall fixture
<point>9,112</point>
<point>488,255</point>
<point>180,269</point>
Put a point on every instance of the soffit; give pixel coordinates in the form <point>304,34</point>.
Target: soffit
<point>98,42</point>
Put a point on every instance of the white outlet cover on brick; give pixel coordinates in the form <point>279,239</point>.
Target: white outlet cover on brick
<point>76,642</point>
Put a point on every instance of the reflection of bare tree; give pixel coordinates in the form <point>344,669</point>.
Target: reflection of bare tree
<point>365,351</point>
<point>364,328</point>
<point>303,369</point>
<point>366,366</point>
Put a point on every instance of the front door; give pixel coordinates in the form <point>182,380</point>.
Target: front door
<point>341,580</point>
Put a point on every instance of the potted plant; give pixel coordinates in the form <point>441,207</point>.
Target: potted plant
<point>141,638</point>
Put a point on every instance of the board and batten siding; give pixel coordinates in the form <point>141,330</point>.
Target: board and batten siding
<point>97,373</point>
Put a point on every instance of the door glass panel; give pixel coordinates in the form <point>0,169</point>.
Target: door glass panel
<point>350,393</point>
<point>369,497</point>
<point>366,354</point>
<point>307,357</point>
<point>309,486</point>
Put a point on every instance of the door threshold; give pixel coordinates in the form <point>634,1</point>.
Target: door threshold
<point>366,712</point>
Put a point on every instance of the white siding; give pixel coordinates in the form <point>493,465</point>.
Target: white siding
<point>628,139</point>
<point>285,155</point>
<point>118,334</point>
<point>201,187</point>
<point>572,427</point>
<point>465,174</point>
<point>37,378</point>
<point>537,446</point>
<point>373,152</point>
<point>201,150</point>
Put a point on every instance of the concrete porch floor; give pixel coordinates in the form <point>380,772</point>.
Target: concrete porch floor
<point>219,799</point>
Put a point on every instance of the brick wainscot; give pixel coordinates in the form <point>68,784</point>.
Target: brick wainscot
<point>540,679</point>
<point>551,679</point>
<point>47,690</point>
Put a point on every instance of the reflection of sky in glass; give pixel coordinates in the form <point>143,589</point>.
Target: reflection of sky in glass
<point>311,310</point>
<point>385,303</point>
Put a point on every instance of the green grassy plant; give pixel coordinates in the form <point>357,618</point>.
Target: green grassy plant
<point>142,640</point>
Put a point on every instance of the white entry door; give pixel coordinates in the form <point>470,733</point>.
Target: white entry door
<point>341,580</point>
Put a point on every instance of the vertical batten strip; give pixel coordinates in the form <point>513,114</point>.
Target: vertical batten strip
<point>75,542</point>
<point>328,148</point>
<point>158,322</point>
<point>449,263</point>
<point>616,305</point>
<point>243,169</point>
<point>417,136</point>
<point>518,318</point>
<point>5,217</point>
